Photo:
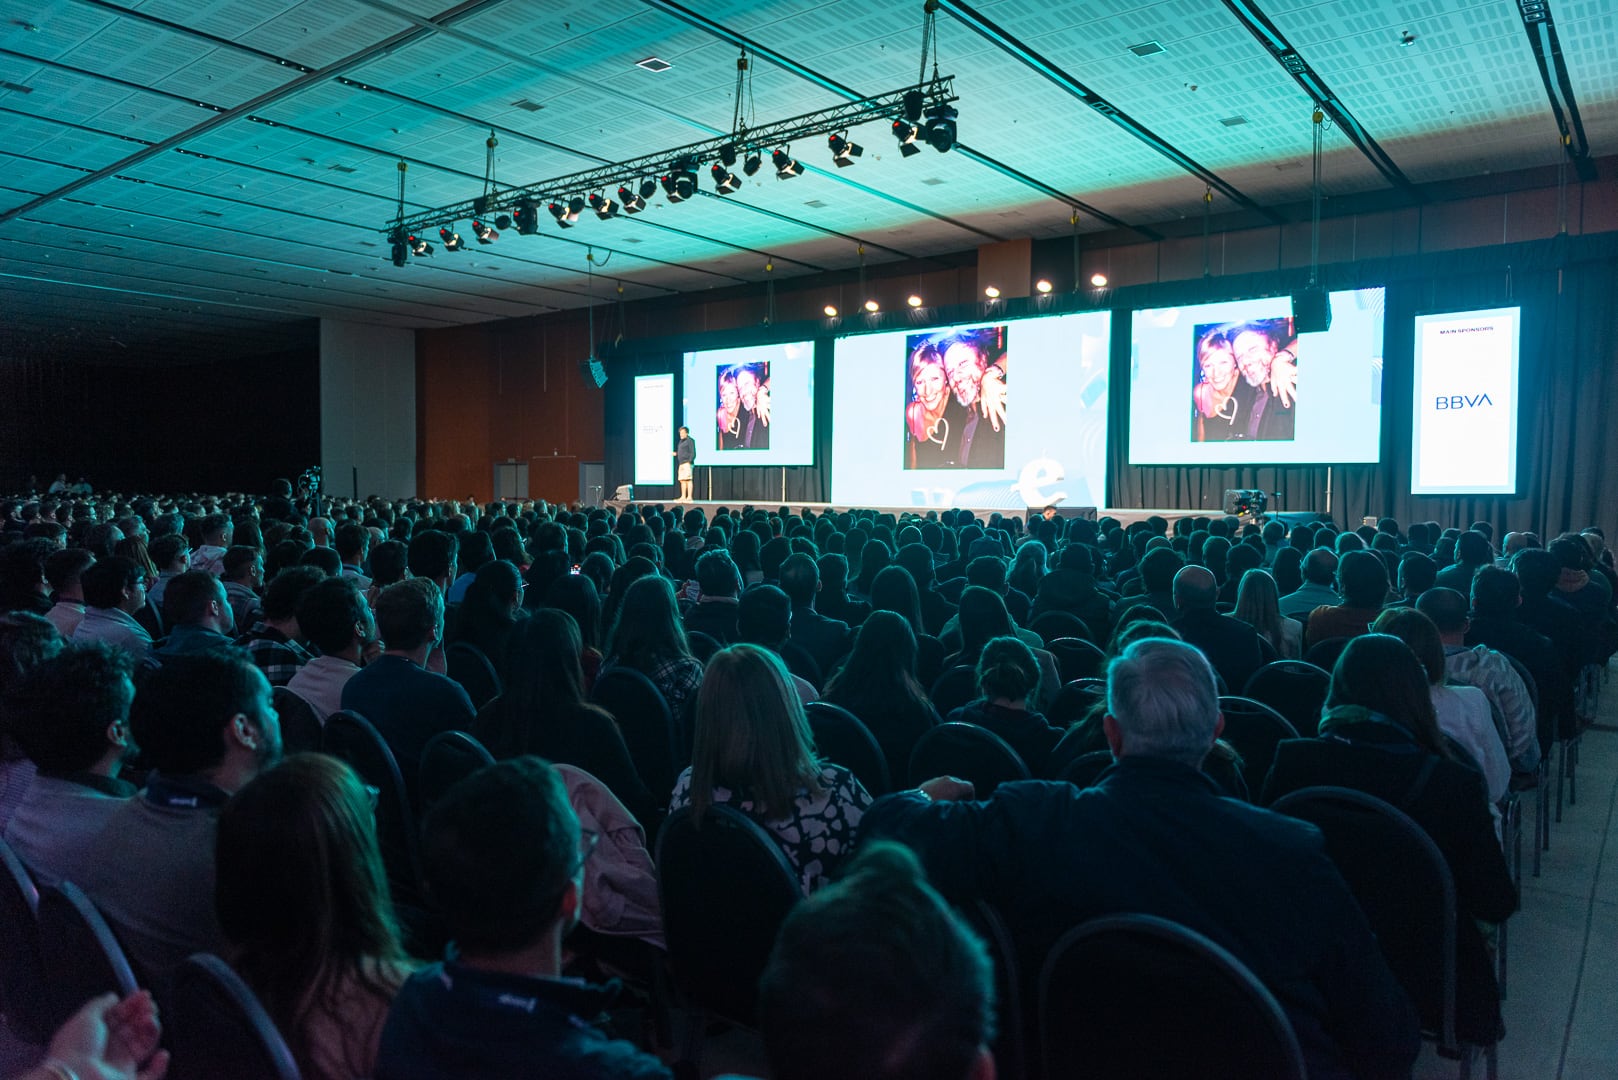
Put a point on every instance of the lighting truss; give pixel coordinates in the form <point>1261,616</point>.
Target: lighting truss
<point>935,93</point>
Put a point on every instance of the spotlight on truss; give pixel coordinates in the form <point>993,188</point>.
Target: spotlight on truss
<point>633,203</point>
<point>907,134</point>
<point>604,207</point>
<point>527,217</point>
<point>752,162</point>
<point>724,181</point>
<point>484,233</point>
<point>843,152</point>
<point>786,167</point>
<point>452,239</point>
<point>941,127</point>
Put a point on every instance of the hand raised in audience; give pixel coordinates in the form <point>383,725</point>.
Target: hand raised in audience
<point>948,789</point>
<point>108,1039</point>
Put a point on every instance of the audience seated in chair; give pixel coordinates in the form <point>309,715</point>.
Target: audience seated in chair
<point>492,606</point>
<point>1155,836</point>
<point>275,641</point>
<point>719,584</point>
<point>1233,648</point>
<point>197,614</point>
<point>335,618</point>
<point>503,859</point>
<point>647,635</point>
<point>1319,579</point>
<point>114,589</point>
<point>1362,578</point>
<point>1489,671</point>
<point>826,640</point>
<point>1008,680</point>
<point>63,570</point>
<point>878,684</point>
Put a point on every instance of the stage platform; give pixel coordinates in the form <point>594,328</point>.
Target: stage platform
<point>1125,516</point>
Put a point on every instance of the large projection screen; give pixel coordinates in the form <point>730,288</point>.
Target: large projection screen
<point>753,405</point>
<point>911,428</point>
<point>654,429</point>
<point>1464,416</point>
<point>1232,383</point>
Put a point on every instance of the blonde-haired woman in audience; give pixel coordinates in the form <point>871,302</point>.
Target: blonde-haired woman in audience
<point>752,750</point>
<point>303,899</point>
<point>1258,604</point>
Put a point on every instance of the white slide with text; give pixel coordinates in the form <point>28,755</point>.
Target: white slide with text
<point>654,429</point>
<point>1464,426</point>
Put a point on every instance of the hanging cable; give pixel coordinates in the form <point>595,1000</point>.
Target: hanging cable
<point>619,340</point>
<point>741,118</point>
<point>1318,119</point>
<point>769,292</point>
<point>489,183</point>
<point>1073,220</point>
<point>1207,229</point>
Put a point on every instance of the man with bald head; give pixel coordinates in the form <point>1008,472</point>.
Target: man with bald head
<point>1233,648</point>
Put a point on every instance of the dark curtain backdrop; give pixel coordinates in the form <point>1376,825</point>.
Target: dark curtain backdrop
<point>1567,435</point>
<point>221,426</point>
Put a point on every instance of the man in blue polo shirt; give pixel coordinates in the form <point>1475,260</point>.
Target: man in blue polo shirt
<point>503,861</point>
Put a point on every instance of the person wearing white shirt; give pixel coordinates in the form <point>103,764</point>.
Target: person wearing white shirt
<point>335,618</point>
<point>114,589</point>
<point>62,570</point>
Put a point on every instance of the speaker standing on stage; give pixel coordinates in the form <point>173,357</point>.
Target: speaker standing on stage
<point>685,455</point>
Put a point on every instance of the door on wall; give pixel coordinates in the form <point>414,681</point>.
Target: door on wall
<point>511,480</point>
<point>592,482</point>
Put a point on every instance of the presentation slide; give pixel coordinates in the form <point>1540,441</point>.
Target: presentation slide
<point>654,429</point>
<point>1464,434</point>
<point>1232,384</point>
<point>931,417</point>
<point>752,406</point>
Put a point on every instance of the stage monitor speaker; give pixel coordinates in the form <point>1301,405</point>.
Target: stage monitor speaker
<point>1311,311</point>
<point>1293,518</point>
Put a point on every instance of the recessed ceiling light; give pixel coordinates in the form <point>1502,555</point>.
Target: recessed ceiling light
<point>1234,121</point>
<point>913,300</point>
<point>830,310</point>
<point>17,88</point>
<point>527,106</point>
<point>872,306</point>
<point>992,292</point>
<point>1042,285</point>
<point>1098,279</point>
<point>654,63</point>
<point>1147,48</point>
<point>934,181</point>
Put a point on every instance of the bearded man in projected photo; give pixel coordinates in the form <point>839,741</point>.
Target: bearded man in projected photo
<point>977,408</point>
<point>753,385</point>
<point>1270,377</point>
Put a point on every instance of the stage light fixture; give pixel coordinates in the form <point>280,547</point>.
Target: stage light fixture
<point>872,306</point>
<point>681,182</point>
<point>727,154</point>
<point>752,163</point>
<point>604,207</point>
<point>420,247</point>
<point>452,240</point>
<point>648,188</point>
<point>502,221</point>
<point>941,127</point>
<point>559,212</point>
<point>829,309</point>
<point>992,292</point>
<point>724,181</point>
<point>785,166</point>
<point>1098,279</point>
<point>401,250</point>
<point>843,152</point>
<point>527,217</point>
<point>913,300</point>
<point>907,134</point>
<point>632,203</point>
<point>484,233</point>
<point>1042,285</point>
<point>914,100</point>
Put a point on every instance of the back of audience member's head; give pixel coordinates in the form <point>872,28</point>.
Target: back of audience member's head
<point>1495,592</point>
<point>1472,549</point>
<point>883,656</point>
<point>1195,589</point>
<point>1446,607</point>
<point>988,572</point>
<point>352,542</point>
<point>876,977</point>
<point>410,614</point>
<point>389,562</point>
<point>303,898</point>
<point>72,709</point>
<point>1157,569</point>
<point>432,554</point>
<point>1380,673</point>
<point>238,560</point>
<point>647,628</point>
<point>1320,567</point>
<point>917,560</point>
<point>1537,570</point>
<point>717,574</point>
<point>501,860</point>
<point>1163,700</point>
<point>764,616</point>
<point>1006,669</point>
<point>576,595</point>
<point>1418,632</point>
<point>1570,553</point>
<point>1417,573</point>
<point>833,569</point>
<point>800,580</point>
<point>983,616</point>
<point>324,557</point>
<point>332,613</point>
<point>105,582</point>
<point>285,591</point>
<point>183,709</point>
<point>750,731</point>
<point>1362,578</point>
<point>191,597</point>
<point>64,568</point>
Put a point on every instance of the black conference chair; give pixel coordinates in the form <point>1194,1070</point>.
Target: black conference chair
<point>466,664</point>
<point>954,688</point>
<point>1293,688</point>
<point>1077,658</point>
<point>1254,730</point>
<point>647,725</point>
<point>969,752</point>
<point>1060,624</point>
<point>843,739</point>
<point>1324,654</point>
<point>1084,770</point>
<point>1075,700</point>
<point>81,956</point>
<point>1405,888</point>
<point>702,645</point>
<point>725,886</point>
<point>215,1026</point>
<point>448,758</point>
<point>300,727</point>
<point>352,738</point>
<point>1130,996</point>
<point>22,975</point>
<point>1010,1044</point>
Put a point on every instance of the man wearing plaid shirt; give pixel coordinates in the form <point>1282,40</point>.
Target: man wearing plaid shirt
<point>273,642</point>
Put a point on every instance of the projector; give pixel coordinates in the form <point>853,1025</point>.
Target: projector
<point>1249,502</point>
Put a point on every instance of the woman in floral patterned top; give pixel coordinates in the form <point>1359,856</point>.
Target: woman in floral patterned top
<point>753,751</point>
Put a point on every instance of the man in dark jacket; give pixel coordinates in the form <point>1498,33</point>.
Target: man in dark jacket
<point>1233,648</point>
<point>1071,587</point>
<point>827,640</point>
<point>1154,836</point>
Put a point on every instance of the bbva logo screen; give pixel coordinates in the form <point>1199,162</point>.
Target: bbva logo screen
<point>1461,401</point>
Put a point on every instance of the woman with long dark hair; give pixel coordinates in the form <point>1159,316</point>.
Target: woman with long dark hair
<point>1379,734</point>
<point>493,606</point>
<point>893,589</point>
<point>1258,605</point>
<point>543,711</point>
<point>648,635</point>
<point>576,594</point>
<point>303,900</point>
<point>878,684</point>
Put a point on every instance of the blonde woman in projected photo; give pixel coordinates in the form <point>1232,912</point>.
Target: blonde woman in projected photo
<point>926,429</point>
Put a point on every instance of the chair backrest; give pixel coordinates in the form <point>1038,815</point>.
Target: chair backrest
<point>1324,654</point>
<point>1403,885</point>
<point>448,758</point>
<point>702,645</point>
<point>1060,624</point>
<point>1075,700</point>
<point>79,952</point>
<point>843,739</point>
<point>300,727</point>
<point>21,972</point>
<point>1084,770</point>
<point>969,752</point>
<point>1077,658</point>
<point>1010,1042</point>
<point>214,1026</point>
<point>1293,688</point>
<point>466,664</point>
<point>1254,730</point>
<point>954,688</point>
<point>647,725</point>
<point>1130,996</point>
<point>352,738</point>
<point>725,886</point>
